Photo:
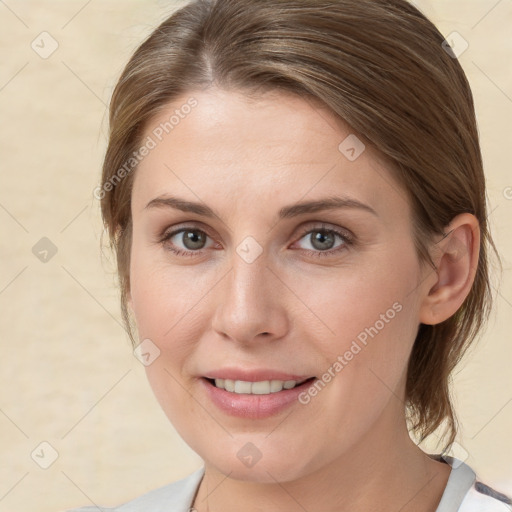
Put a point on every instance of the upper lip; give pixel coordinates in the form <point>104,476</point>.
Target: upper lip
<point>255,375</point>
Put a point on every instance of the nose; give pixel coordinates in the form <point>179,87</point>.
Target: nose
<point>251,303</point>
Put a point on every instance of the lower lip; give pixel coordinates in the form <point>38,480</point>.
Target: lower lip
<point>253,406</point>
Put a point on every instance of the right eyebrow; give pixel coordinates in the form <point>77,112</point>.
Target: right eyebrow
<point>181,204</point>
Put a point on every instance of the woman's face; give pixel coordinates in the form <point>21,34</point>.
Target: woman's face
<point>264,289</point>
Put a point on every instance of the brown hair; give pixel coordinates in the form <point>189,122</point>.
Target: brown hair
<point>379,65</point>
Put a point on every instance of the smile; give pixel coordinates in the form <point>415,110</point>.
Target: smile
<point>254,399</point>
<point>264,387</point>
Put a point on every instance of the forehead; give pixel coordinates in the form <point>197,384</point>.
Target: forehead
<point>277,143</point>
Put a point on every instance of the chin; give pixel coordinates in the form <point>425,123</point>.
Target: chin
<point>265,470</point>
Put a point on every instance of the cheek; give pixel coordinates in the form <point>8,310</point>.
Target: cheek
<point>169,311</point>
<point>364,325</point>
<point>363,303</point>
<point>365,359</point>
<point>163,296</point>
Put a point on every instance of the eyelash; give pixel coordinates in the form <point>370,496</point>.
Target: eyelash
<point>348,240</point>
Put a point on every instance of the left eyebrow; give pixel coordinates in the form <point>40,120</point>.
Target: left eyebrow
<point>329,203</point>
<point>286,212</point>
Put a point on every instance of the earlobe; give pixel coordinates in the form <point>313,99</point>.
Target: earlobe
<point>457,260</point>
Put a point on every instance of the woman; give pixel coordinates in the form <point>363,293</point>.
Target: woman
<point>295,194</point>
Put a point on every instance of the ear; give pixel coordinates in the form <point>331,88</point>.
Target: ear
<point>456,259</point>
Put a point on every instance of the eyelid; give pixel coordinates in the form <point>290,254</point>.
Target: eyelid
<point>348,237</point>
<point>303,229</point>
<point>166,234</point>
<point>323,226</point>
<point>168,230</point>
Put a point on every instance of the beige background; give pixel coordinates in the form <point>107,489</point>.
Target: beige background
<point>68,374</point>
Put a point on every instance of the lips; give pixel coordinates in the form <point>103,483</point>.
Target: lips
<point>255,375</point>
<point>253,405</point>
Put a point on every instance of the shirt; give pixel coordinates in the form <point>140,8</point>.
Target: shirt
<point>463,493</point>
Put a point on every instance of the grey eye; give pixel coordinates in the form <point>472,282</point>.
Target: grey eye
<point>193,239</point>
<point>322,240</point>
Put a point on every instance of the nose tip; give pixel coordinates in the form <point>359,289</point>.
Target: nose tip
<point>250,309</point>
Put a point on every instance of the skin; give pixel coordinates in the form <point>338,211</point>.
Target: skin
<point>348,448</point>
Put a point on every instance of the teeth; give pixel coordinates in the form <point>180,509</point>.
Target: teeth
<point>264,387</point>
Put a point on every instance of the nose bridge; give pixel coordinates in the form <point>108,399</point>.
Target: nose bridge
<point>248,280</point>
<point>250,303</point>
